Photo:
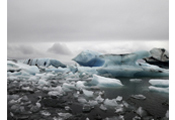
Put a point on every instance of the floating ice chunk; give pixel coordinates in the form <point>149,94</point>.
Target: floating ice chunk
<point>43,82</point>
<point>120,117</point>
<point>102,107</point>
<point>45,113</point>
<point>80,85</point>
<point>99,99</point>
<point>119,110</point>
<point>160,54</point>
<point>54,93</point>
<point>65,115</point>
<point>111,103</point>
<point>82,100</point>
<point>89,58</point>
<point>159,89</point>
<point>92,103</point>
<point>136,118</point>
<point>87,108</point>
<point>141,112</point>
<point>135,80</point>
<point>105,82</point>
<point>119,98</point>
<point>159,82</point>
<point>88,93</point>
<point>68,86</point>
<point>139,97</point>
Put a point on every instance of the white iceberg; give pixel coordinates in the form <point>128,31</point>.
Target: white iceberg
<point>159,82</point>
<point>104,82</point>
<point>159,89</point>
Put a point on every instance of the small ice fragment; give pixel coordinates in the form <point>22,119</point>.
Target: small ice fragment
<point>159,89</point>
<point>88,93</point>
<point>136,118</point>
<point>135,80</point>
<point>34,109</point>
<point>87,119</point>
<point>67,108</point>
<point>111,103</point>
<point>102,107</point>
<point>87,108</point>
<point>139,97</point>
<point>99,99</point>
<point>119,110</point>
<point>119,98</point>
<point>120,117</point>
<point>38,105</point>
<point>141,112</point>
<point>93,102</point>
<point>45,113</point>
<point>82,100</point>
<point>65,115</point>
<point>55,93</point>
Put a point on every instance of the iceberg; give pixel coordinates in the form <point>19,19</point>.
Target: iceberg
<point>43,62</point>
<point>23,68</point>
<point>159,82</point>
<point>159,56</point>
<point>127,65</point>
<point>89,58</point>
<point>159,89</point>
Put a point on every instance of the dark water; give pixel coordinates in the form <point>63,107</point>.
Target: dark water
<point>154,103</point>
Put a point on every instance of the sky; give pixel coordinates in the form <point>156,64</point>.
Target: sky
<point>61,29</point>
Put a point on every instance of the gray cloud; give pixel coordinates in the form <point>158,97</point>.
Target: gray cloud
<point>21,51</point>
<point>59,48</point>
<point>64,20</point>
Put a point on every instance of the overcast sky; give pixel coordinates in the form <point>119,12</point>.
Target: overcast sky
<point>64,27</point>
